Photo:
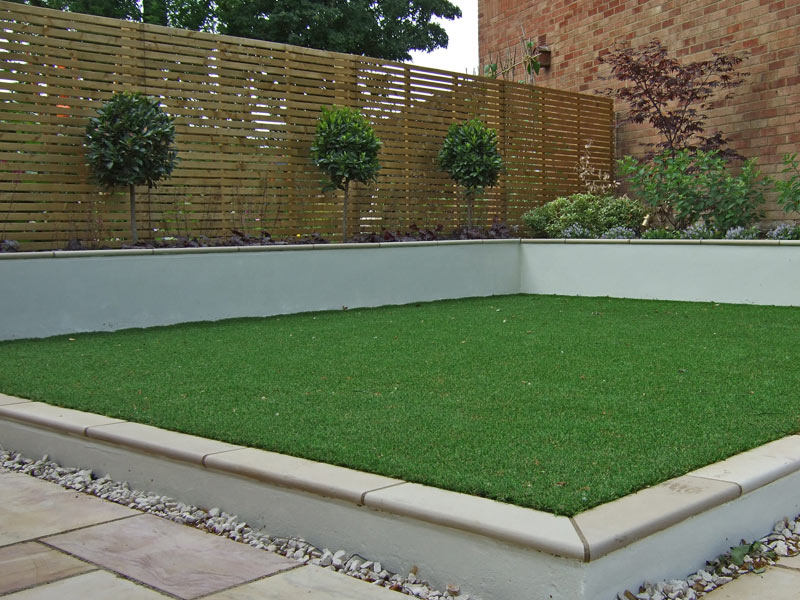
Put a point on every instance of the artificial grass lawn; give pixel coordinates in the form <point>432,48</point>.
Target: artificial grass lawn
<point>555,403</point>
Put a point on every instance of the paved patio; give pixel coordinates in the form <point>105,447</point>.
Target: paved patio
<point>58,544</point>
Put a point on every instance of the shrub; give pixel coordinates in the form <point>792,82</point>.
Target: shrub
<point>742,233</point>
<point>346,149</point>
<point>619,233</point>
<point>577,231</point>
<point>130,142</point>
<point>684,186</point>
<point>789,189</point>
<point>469,155</point>
<point>661,234</point>
<point>9,246</point>
<point>784,231</point>
<point>595,214</point>
<point>698,231</point>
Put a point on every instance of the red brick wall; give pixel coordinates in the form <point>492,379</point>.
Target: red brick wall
<point>763,117</point>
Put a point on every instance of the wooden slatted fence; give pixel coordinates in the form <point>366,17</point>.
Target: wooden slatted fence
<point>246,112</point>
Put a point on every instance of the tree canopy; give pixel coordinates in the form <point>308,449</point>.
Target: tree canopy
<point>386,29</point>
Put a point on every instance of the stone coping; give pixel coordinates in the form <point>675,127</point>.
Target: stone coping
<point>585,537</point>
<point>365,246</point>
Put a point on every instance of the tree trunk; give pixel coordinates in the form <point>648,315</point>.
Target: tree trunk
<point>344,210</point>
<point>470,205</point>
<point>134,233</point>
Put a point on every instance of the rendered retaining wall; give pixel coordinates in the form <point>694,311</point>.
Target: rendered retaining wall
<point>738,272</point>
<point>54,293</point>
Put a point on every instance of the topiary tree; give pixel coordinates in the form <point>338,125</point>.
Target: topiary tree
<point>130,142</point>
<point>346,149</point>
<point>469,154</point>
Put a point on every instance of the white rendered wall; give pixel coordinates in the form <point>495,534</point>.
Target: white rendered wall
<point>46,294</point>
<point>67,292</point>
<point>735,272</point>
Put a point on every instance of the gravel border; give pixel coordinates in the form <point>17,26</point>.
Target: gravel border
<point>219,522</point>
<point>783,540</point>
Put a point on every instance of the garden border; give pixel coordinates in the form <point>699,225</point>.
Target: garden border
<point>52,293</point>
<point>515,552</point>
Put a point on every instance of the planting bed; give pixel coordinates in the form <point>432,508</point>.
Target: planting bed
<point>553,403</point>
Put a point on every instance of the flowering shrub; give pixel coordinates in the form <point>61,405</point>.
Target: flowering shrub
<point>698,231</point>
<point>619,233</point>
<point>784,232</point>
<point>742,233</point>
<point>576,231</point>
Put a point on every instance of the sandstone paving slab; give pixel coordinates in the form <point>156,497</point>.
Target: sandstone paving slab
<point>173,558</point>
<point>30,563</point>
<point>790,562</point>
<point>97,585</point>
<point>32,508</point>
<point>774,584</point>
<point>308,583</point>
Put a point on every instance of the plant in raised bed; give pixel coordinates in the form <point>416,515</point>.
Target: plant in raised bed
<point>685,186</point>
<point>469,155</point>
<point>131,142</point>
<point>784,231</point>
<point>661,233</point>
<point>789,189</point>
<point>742,233</point>
<point>346,149</point>
<point>671,96</point>
<point>594,214</point>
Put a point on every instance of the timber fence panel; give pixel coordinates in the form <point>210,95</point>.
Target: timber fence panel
<point>245,117</point>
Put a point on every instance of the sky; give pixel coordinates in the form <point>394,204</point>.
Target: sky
<point>461,54</point>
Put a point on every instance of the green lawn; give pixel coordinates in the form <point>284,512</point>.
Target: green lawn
<point>556,403</point>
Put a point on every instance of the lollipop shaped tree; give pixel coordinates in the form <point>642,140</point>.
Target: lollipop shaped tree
<point>469,154</point>
<point>130,142</point>
<point>346,149</point>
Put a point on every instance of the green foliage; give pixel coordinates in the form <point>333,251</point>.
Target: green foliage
<point>469,155</point>
<point>386,29</point>
<point>753,550</point>
<point>595,214</point>
<point>346,147</point>
<point>381,28</point>
<point>130,141</point>
<point>115,9</point>
<point>789,189</point>
<point>683,187</point>
<point>661,234</point>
